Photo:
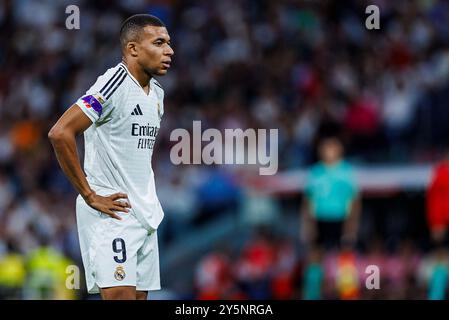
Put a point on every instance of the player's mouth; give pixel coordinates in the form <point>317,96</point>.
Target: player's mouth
<point>166,64</point>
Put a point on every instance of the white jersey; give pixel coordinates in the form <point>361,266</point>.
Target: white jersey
<point>119,143</point>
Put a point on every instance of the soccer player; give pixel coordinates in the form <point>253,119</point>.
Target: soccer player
<point>117,209</point>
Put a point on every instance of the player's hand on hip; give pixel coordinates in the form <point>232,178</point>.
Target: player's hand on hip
<point>109,205</point>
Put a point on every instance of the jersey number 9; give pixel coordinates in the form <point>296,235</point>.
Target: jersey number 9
<point>118,246</point>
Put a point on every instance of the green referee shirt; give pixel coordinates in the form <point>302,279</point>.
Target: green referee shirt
<point>330,190</point>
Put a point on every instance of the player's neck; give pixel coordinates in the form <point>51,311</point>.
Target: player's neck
<point>140,75</point>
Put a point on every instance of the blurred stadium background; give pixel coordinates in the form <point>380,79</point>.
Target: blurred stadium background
<point>308,68</point>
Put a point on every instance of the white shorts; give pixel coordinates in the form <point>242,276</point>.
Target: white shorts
<point>116,252</point>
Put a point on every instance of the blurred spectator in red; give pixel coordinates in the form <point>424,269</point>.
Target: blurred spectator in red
<point>437,202</point>
<point>437,273</point>
<point>282,283</point>
<point>212,277</point>
<point>362,116</point>
<point>255,266</point>
<point>362,124</point>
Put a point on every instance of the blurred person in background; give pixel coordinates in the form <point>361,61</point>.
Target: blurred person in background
<point>284,271</point>
<point>347,282</point>
<point>400,268</point>
<point>214,278</point>
<point>46,273</point>
<point>438,204</point>
<point>179,207</point>
<point>256,264</point>
<point>438,220</point>
<point>331,205</point>
<point>13,273</point>
<point>433,274</point>
<point>313,276</point>
<point>439,276</point>
<point>341,275</point>
<point>218,195</point>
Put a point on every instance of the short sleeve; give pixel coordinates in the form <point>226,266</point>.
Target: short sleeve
<point>97,103</point>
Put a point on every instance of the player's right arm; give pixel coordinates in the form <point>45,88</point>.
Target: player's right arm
<point>63,138</point>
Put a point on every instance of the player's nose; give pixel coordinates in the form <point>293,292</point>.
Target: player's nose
<point>169,51</point>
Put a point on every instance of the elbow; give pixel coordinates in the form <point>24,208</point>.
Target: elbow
<point>55,134</point>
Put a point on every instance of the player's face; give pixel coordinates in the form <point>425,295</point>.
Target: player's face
<point>154,50</point>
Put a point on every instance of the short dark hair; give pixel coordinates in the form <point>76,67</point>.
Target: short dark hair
<point>132,26</point>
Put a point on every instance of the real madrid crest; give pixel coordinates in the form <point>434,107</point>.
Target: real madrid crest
<point>99,98</point>
<point>119,273</point>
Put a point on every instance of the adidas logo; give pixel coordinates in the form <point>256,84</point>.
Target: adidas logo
<point>137,111</point>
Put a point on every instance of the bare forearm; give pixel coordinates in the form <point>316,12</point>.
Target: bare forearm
<point>64,144</point>
<point>66,152</point>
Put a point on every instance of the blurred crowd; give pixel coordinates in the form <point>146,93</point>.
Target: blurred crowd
<point>332,260</point>
<point>308,68</point>
<point>269,266</point>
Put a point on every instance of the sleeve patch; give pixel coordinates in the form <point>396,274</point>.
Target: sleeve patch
<point>94,102</point>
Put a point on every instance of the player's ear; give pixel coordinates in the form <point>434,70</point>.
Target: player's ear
<point>132,48</point>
